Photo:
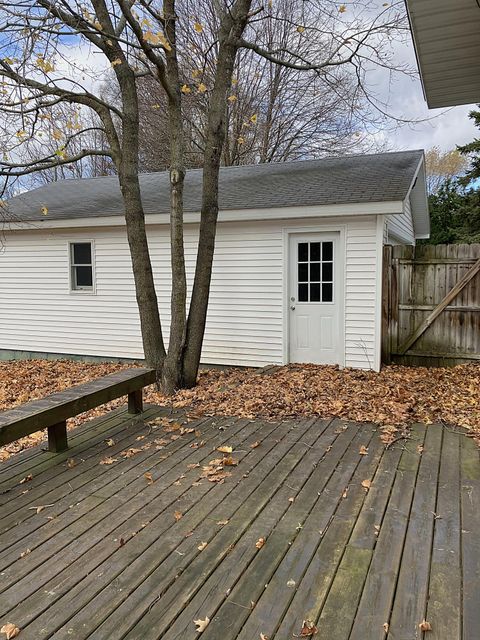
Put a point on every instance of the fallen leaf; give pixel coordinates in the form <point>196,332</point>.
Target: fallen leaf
<point>201,624</point>
<point>291,583</point>
<point>177,515</point>
<point>345,492</point>
<point>425,625</point>
<point>10,630</point>
<point>255,445</point>
<point>108,460</point>
<point>130,452</point>
<point>110,442</point>
<point>225,449</point>
<point>263,637</point>
<point>229,461</point>
<point>291,499</point>
<point>223,522</point>
<point>25,553</point>
<point>148,476</point>
<point>40,507</point>
<point>363,451</point>
<point>202,546</point>
<point>259,543</point>
<point>366,484</point>
<point>386,627</point>
<point>71,463</point>
<point>28,478</point>
<point>308,629</point>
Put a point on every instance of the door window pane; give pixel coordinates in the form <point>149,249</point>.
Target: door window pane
<point>303,252</point>
<point>303,292</point>
<point>315,293</point>
<point>327,292</point>
<point>315,271</point>
<point>315,251</point>
<point>303,272</point>
<point>327,250</point>
<point>327,271</point>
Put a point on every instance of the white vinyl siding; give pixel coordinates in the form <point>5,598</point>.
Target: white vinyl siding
<point>400,226</point>
<point>246,319</point>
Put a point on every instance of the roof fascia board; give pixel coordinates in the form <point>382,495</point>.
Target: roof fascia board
<point>238,215</point>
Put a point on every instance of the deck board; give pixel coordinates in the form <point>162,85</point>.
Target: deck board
<point>109,558</point>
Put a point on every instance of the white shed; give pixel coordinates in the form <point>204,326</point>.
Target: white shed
<point>297,271</point>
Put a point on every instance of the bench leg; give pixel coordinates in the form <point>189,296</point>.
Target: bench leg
<point>57,437</point>
<point>135,401</point>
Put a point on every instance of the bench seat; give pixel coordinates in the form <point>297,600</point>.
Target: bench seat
<point>52,412</point>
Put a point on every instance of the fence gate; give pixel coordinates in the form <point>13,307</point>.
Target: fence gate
<point>431,304</point>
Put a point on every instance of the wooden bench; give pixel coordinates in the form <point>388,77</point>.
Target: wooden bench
<point>52,412</point>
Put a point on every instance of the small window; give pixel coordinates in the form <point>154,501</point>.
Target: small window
<point>81,266</point>
<point>315,271</point>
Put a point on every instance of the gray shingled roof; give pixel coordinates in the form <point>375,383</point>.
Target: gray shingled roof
<point>381,177</point>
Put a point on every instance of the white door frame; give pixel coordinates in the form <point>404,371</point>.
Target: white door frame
<point>287,232</point>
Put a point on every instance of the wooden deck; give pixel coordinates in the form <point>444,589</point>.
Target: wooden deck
<point>364,546</point>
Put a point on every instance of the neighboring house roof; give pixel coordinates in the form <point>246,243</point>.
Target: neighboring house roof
<point>383,177</point>
<point>446,35</point>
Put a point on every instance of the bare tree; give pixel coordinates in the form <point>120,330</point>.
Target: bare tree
<point>197,49</point>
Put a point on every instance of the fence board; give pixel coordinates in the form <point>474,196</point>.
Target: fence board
<point>415,281</point>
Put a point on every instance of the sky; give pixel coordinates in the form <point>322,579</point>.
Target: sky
<point>444,128</point>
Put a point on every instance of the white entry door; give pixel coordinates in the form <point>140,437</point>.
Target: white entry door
<point>315,304</point>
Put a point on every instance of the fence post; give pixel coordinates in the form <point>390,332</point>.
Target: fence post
<point>386,303</point>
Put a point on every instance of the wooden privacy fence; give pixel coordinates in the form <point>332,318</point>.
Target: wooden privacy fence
<point>431,304</point>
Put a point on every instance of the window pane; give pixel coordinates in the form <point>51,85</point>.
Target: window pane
<point>82,253</point>
<point>303,251</point>
<point>327,271</point>
<point>303,272</point>
<point>303,292</point>
<point>327,250</point>
<point>314,293</point>
<point>83,277</point>
<point>314,251</point>
<point>315,272</point>
<point>327,292</point>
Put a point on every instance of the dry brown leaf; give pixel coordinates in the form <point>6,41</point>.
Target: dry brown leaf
<point>28,478</point>
<point>108,460</point>
<point>225,449</point>
<point>292,499</point>
<point>264,637</point>
<point>366,484</point>
<point>223,522</point>
<point>425,625</point>
<point>386,627</point>
<point>71,463</point>
<point>363,451</point>
<point>40,507</point>
<point>25,553</point>
<point>148,477</point>
<point>308,629</point>
<point>177,515</point>
<point>259,543</point>
<point>255,445</point>
<point>202,546</point>
<point>194,465</point>
<point>128,453</point>
<point>345,492</point>
<point>10,630</point>
<point>228,461</point>
<point>201,624</point>
<point>110,442</point>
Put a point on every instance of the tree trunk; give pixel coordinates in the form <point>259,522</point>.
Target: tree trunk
<point>172,377</point>
<point>153,346</point>
<point>232,27</point>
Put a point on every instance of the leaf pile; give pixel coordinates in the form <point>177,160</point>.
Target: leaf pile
<point>395,397</point>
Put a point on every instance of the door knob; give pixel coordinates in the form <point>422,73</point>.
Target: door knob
<point>292,307</point>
